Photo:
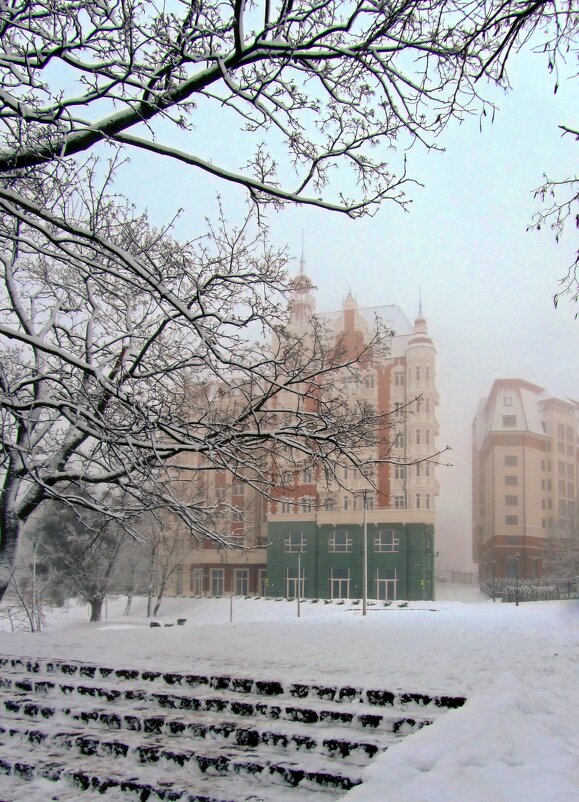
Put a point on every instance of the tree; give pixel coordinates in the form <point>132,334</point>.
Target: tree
<point>78,551</point>
<point>563,550</point>
<point>330,80</point>
<point>106,323</point>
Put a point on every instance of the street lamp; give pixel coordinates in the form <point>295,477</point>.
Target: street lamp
<point>299,581</point>
<point>517,555</point>
<point>493,565</point>
<point>365,558</point>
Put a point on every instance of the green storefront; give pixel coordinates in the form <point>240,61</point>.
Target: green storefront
<point>330,560</point>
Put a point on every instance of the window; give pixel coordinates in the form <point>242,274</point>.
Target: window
<point>369,501</point>
<point>561,431</point>
<point>262,581</point>
<point>569,433</point>
<point>216,581</point>
<point>418,405</point>
<point>509,420</point>
<point>511,460</point>
<point>511,520</point>
<point>398,502</point>
<point>418,500</point>
<point>308,503</point>
<point>340,583</point>
<point>220,492</point>
<point>237,489</point>
<point>307,476</point>
<point>369,381</point>
<point>562,487</point>
<point>418,373</point>
<point>427,405</point>
<point>294,542</point>
<point>418,469</point>
<point>340,540</point>
<point>427,468</point>
<point>511,480</point>
<point>346,503</point>
<point>399,471</point>
<point>196,581</point>
<point>427,437</point>
<point>386,540</point>
<point>511,501</point>
<point>418,434</point>
<point>508,401</point>
<point>399,379</point>
<point>241,581</point>
<point>427,373</point>
<point>329,504</point>
<point>291,582</point>
<point>570,471</point>
<point>386,583</point>
<point>179,580</point>
<point>427,502</point>
<point>286,507</point>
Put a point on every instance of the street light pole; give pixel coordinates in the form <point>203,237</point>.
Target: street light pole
<point>365,560</point>
<point>299,580</point>
<point>517,555</point>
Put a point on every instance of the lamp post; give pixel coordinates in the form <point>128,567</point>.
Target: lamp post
<point>299,593</point>
<point>365,559</point>
<point>493,565</point>
<point>517,555</point>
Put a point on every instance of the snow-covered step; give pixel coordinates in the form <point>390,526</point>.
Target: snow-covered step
<point>308,712</point>
<point>217,775</point>
<point>283,735</point>
<point>218,757</point>
<point>126,732</point>
<point>236,685</point>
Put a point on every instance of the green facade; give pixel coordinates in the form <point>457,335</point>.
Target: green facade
<point>404,570</point>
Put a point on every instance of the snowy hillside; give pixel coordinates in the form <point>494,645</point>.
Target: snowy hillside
<point>516,739</point>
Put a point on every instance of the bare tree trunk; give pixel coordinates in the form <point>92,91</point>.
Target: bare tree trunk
<point>159,597</point>
<point>128,604</point>
<point>151,583</point>
<point>9,534</point>
<point>96,608</point>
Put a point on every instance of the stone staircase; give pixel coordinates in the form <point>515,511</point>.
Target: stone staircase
<point>69,728</point>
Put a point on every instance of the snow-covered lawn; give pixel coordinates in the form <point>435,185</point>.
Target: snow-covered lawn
<point>516,740</point>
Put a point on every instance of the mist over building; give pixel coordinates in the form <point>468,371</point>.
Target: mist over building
<point>525,460</point>
<point>321,518</point>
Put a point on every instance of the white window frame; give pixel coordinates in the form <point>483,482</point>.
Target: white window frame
<point>340,548</point>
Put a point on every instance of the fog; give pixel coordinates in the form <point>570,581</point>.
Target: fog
<point>487,283</point>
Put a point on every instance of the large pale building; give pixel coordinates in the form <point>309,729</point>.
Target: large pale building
<point>319,523</point>
<point>525,461</point>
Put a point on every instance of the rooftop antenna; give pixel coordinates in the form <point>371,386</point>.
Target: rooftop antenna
<point>302,260</point>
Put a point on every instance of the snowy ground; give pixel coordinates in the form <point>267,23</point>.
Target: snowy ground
<point>517,739</point>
